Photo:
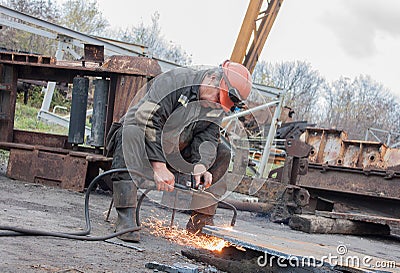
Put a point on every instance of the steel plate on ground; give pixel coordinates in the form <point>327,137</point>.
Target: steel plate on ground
<point>325,249</point>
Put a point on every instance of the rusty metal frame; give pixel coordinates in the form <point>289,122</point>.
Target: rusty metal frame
<point>50,159</point>
<point>353,176</point>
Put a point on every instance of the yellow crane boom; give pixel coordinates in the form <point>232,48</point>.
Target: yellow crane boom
<point>254,32</point>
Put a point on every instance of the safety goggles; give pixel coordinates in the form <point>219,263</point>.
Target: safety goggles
<point>233,93</point>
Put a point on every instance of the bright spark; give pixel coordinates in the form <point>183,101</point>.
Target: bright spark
<point>180,236</point>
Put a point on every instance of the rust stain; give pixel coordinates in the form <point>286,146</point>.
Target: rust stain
<point>54,169</point>
<point>127,93</point>
<point>94,53</point>
<point>349,181</point>
<point>331,147</point>
<point>133,65</point>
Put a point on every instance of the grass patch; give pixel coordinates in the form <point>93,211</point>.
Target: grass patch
<point>26,119</point>
<point>4,156</point>
<point>36,96</point>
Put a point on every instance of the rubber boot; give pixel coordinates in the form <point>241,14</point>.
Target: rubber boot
<point>200,216</point>
<point>197,221</point>
<point>125,199</point>
<point>204,208</point>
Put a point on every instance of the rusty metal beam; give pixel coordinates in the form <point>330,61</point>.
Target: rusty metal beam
<point>352,175</point>
<point>44,139</point>
<point>329,200</point>
<point>47,158</point>
<point>325,144</point>
<point>63,71</point>
<point>331,147</point>
<point>133,66</point>
<point>8,97</point>
<point>26,58</point>
<point>48,168</point>
<point>54,167</point>
<point>350,181</point>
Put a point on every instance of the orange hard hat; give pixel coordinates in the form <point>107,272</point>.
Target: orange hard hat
<point>235,84</point>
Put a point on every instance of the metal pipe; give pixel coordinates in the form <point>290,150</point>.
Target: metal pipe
<point>375,136</point>
<point>270,138</point>
<point>233,208</point>
<point>249,111</point>
<point>258,207</point>
<point>109,209</point>
<point>76,133</point>
<point>48,96</point>
<point>101,87</point>
<point>366,134</point>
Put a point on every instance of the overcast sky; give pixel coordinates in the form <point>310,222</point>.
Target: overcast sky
<point>338,37</point>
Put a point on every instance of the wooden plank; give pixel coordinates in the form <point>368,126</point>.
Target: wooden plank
<point>360,217</point>
<point>324,225</point>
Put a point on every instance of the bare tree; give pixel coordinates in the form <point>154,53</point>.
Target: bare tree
<point>303,85</point>
<point>339,100</point>
<point>17,40</point>
<point>79,15</point>
<point>83,16</point>
<point>151,37</point>
<point>359,104</point>
<point>353,105</point>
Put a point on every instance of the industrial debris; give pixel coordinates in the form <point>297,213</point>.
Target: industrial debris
<point>175,268</point>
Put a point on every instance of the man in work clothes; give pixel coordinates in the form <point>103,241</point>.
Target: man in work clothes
<point>172,133</point>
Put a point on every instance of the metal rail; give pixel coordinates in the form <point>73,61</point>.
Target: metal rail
<point>389,134</point>
<point>263,170</point>
<point>139,51</point>
<point>54,30</point>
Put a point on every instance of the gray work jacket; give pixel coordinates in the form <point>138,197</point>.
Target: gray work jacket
<point>174,122</point>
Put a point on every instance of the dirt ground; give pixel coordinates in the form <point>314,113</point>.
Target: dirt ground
<point>53,209</point>
<point>40,207</point>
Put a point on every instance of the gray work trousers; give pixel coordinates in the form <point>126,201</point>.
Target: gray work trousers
<point>133,155</point>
